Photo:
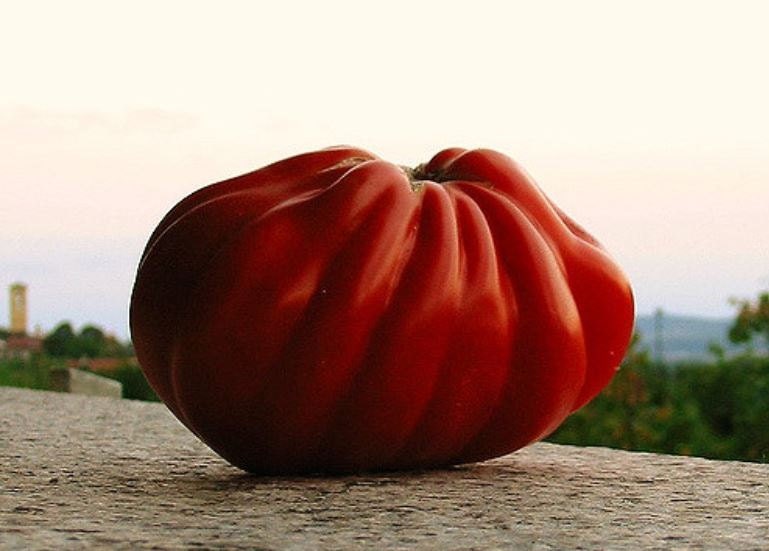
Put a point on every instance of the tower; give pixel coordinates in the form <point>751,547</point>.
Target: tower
<point>18,304</point>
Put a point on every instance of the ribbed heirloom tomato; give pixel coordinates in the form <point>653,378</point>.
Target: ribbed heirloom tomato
<point>337,313</point>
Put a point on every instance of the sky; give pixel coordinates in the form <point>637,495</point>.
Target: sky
<point>647,122</point>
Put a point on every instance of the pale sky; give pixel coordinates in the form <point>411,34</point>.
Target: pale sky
<point>647,122</point>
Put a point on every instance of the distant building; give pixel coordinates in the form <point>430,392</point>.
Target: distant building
<point>19,344</point>
<point>18,305</point>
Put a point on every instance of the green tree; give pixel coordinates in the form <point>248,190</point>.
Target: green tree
<point>91,342</point>
<point>752,320</point>
<point>732,396</point>
<point>61,342</point>
<point>114,348</point>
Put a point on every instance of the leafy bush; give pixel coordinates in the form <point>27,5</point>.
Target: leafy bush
<point>135,385</point>
<point>89,342</point>
<point>33,372</point>
<point>718,410</point>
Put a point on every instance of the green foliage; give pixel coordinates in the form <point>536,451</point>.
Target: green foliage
<point>135,385</point>
<point>61,342</point>
<point>90,342</point>
<point>64,343</point>
<point>716,409</point>
<point>752,320</point>
<point>33,372</point>
<point>734,398</point>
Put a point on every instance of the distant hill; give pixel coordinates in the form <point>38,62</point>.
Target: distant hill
<point>685,337</point>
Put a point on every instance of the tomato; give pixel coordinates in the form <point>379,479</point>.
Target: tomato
<point>334,312</point>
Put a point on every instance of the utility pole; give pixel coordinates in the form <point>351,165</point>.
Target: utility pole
<point>659,337</point>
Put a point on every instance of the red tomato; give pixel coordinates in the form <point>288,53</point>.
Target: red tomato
<point>334,312</point>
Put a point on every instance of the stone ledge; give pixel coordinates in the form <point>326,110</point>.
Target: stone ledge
<point>77,381</point>
<point>82,472</point>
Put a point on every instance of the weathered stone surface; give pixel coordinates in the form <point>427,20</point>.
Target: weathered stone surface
<point>83,472</point>
<point>77,381</point>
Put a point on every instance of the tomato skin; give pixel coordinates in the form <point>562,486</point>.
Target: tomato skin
<point>329,314</point>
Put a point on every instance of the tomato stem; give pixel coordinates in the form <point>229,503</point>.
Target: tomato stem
<point>419,175</point>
